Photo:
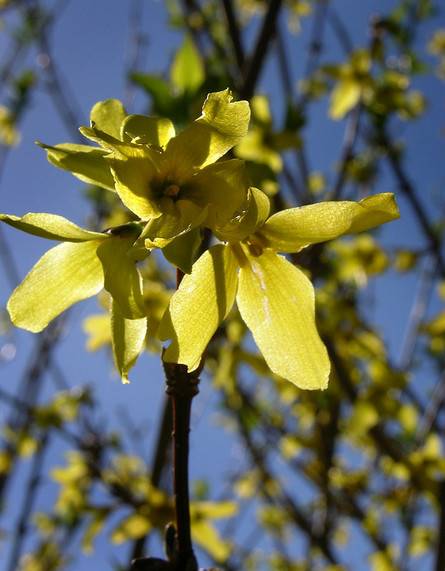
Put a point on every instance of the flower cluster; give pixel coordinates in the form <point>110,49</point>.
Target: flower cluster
<point>175,186</point>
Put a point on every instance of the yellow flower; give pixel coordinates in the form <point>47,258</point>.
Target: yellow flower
<point>171,181</point>
<point>275,298</point>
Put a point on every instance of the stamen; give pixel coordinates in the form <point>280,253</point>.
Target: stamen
<point>172,190</point>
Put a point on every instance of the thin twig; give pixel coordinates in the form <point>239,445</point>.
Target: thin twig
<point>347,152</point>
<point>255,63</point>
<point>440,548</point>
<point>340,30</point>
<point>424,291</point>
<point>29,498</point>
<point>429,420</point>
<point>408,190</point>
<point>234,32</point>
<point>283,63</point>
<point>182,387</point>
<point>158,464</point>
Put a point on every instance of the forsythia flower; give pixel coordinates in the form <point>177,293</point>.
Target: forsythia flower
<point>275,298</point>
<point>174,186</point>
<point>171,181</point>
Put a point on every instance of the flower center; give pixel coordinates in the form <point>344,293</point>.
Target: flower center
<point>172,190</point>
<point>165,187</point>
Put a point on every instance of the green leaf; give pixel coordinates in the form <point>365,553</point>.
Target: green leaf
<point>86,163</point>
<point>183,251</point>
<point>66,274</point>
<point>276,301</point>
<point>201,302</point>
<point>292,229</point>
<point>121,277</point>
<point>50,226</point>
<point>108,116</point>
<point>345,97</point>
<point>128,336</point>
<point>187,71</point>
<point>220,127</point>
<point>159,91</point>
<point>147,130</point>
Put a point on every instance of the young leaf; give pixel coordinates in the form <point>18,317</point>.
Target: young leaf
<point>187,71</point>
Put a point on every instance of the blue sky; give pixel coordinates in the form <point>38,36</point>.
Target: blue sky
<point>89,45</point>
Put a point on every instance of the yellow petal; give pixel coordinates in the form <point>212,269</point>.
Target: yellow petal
<point>183,217</point>
<point>64,275</point>
<point>121,276</point>
<point>276,300</point>
<point>254,214</point>
<point>222,187</point>
<point>50,226</point>
<point>86,163</point>
<point>108,116</point>
<point>221,126</point>
<point>293,229</point>
<point>202,301</point>
<point>183,251</point>
<point>147,130</point>
<point>98,329</point>
<point>109,142</point>
<point>133,176</point>
<point>128,336</point>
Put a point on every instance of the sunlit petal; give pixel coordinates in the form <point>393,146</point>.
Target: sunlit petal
<point>50,226</point>
<point>202,301</point>
<point>276,300</point>
<point>128,336</point>
<point>64,275</point>
<point>293,229</point>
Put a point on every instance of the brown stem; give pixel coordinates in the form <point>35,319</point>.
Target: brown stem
<point>440,549</point>
<point>158,466</point>
<point>181,388</point>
